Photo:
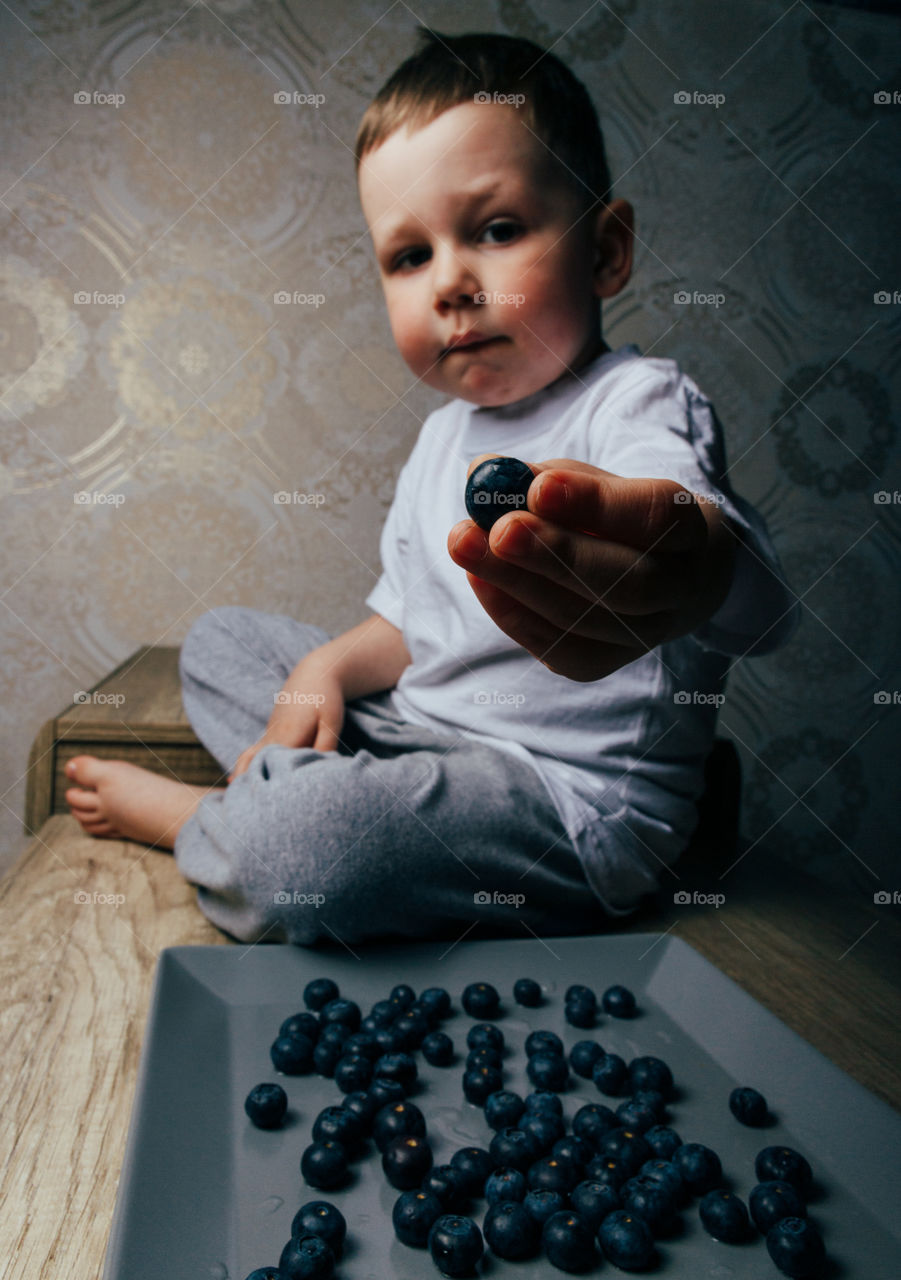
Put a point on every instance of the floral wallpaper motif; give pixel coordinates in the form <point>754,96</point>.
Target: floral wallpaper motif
<point>200,399</point>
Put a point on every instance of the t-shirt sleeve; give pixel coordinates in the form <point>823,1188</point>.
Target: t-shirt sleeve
<point>666,429</point>
<point>387,596</point>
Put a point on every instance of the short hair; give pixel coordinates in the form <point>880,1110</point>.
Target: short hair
<point>450,70</point>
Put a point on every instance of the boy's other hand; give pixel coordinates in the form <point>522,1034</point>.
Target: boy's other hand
<point>309,712</point>
<point>600,568</point>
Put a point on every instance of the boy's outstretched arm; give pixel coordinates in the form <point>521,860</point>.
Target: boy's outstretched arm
<point>600,568</point>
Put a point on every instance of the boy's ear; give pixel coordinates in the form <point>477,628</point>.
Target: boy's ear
<point>614,237</point>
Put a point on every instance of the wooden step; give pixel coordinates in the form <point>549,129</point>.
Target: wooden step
<point>136,714</point>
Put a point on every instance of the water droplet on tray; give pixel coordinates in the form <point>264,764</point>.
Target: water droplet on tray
<point>218,1271</point>
<point>271,1204</point>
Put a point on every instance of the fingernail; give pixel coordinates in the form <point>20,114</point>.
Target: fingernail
<point>516,540</point>
<point>471,546</point>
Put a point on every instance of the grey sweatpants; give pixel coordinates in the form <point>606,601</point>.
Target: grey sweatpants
<point>400,831</point>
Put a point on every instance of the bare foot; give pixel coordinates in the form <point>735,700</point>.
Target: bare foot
<point>117,800</point>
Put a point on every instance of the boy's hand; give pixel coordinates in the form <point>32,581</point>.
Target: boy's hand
<point>599,569</point>
<point>310,714</point>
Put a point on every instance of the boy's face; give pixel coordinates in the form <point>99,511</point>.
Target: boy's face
<point>476,237</point>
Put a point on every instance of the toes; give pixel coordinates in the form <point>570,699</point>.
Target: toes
<point>99,828</point>
<point>86,801</point>
<point>85,770</point>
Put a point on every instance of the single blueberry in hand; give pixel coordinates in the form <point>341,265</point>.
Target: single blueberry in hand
<point>724,1216</point>
<point>510,1231</point>
<point>496,486</point>
<point>413,1216</point>
<point>306,1258</point>
<point>748,1106</point>
<point>626,1240</point>
<point>266,1105</point>
<point>796,1247</point>
<point>455,1243</point>
<point>320,1218</point>
<point>527,992</point>
<point>568,1242</point>
<point>772,1201</point>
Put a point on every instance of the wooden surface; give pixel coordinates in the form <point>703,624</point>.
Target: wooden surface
<point>134,714</point>
<point>76,977</point>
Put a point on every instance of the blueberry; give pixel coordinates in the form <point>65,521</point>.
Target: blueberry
<point>388,1040</point>
<point>480,1082</point>
<point>579,1013</point>
<point>503,1109</point>
<point>666,1172</point>
<point>383,1013</point>
<point>609,1073</point>
<point>485,1035</point>
<point>316,994</point>
<point>292,1055</point>
<point>619,1002</point>
<point>347,1012</point>
<point>397,1066</point>
<point>448,1184</point>
<point>306,1258</point>
<point>582,1057</point>
<point>785,1165</point>
<point>578,992</point>
<point>626,1240</point>
<point>324,1165</point>
<point>410,1029</point>
<point>635,1115</point>
<point>402,995</point>
<point>796,1247</point>
<point>527,992</point>
<point>592,1121</point>
<point>592,1201</point>
<point>397,1120</point>
<point>352,1073</point>
<point>607,1169</point>
<point>383,1091</point>
<point>406,1161</point>
<point>652,1098</point>
<point>542,1205</point>
<point>266,1105</point>
<point>548,1071</point>
<point>473,1165</point>
<point>540,1101</point>
<point>319,1218</point>
<point>568,1242</point>
<point>748,1106</point>
<point>628,1147</point>
<point>700,1167</point>
<point>772,1201</point>
<point>542,1042</point>
<point>651,1073</point>
<point>326,1055</point>
<point>543,1127</point>
<point>437,1000</point>
<point>663,1141</point>
<point>455,1243</point>
<point>574,1149</point>
<point>510,1232</point>
<point>496,486</point>
<point>484,1056</point>
<point>303,1024</point>
<point>481,1000</point>
<point>724,1216</point>
<point>652,1199</point>
<point>266,1273</point>
<point>413,1215</point>
<point>505,1184</point>
<point>334,1033</point>
<point>338,1124</point>
<point>551,1174</point>
<point>513,1148</point>
<point>363,1107</point>
<point>438,1049</point>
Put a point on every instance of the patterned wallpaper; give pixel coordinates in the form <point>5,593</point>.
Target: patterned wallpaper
<point>191,324</point>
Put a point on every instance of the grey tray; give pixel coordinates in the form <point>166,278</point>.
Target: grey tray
<point>203,1195</point>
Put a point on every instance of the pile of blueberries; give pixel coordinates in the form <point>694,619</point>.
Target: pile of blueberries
<point>607,1189</point>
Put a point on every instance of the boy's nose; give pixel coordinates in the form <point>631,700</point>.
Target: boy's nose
<point>455,282</point>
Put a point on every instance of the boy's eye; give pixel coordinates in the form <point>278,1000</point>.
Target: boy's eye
<point>503,229</point>
<point>403,259</point>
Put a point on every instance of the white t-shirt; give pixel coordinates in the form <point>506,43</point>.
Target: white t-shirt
<point>622,757</point>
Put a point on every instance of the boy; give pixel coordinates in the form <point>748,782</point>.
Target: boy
<point>516,735</point>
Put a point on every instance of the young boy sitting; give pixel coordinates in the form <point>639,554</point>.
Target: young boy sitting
<point>515,737</point>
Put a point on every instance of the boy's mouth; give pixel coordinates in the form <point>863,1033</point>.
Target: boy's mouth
<point>468,342</point>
